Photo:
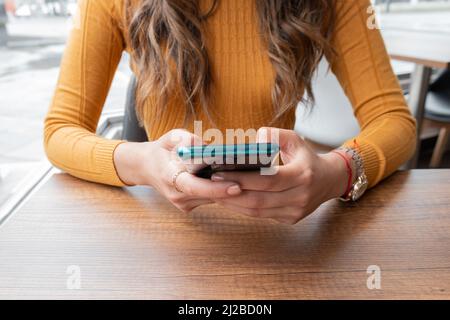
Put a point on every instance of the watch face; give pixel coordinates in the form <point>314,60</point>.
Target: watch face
<point>359,189</point>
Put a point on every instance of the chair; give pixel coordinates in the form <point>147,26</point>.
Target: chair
<point>437,114</point>
<point>132,131</point>
<point>330,122</point>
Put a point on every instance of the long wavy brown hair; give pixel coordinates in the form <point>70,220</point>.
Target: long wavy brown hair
<point>167,42</point>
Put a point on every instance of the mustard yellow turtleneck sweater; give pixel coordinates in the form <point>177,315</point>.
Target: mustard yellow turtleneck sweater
<point>243,78</point>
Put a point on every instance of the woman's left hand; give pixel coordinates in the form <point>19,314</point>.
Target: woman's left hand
<point>298,187</point>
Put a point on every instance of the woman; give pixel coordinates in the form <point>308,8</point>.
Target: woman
<point>230,64</point>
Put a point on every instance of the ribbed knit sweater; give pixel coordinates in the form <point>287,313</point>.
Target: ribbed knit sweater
<point>243,79</point>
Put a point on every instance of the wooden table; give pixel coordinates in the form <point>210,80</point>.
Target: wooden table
<point>427,50</point>
<point>17,180</point>
<point>131,243</point>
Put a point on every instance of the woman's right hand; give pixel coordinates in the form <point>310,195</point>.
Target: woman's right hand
<point>155,164</point>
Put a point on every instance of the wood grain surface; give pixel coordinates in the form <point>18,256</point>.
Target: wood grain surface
<point>131,243</point>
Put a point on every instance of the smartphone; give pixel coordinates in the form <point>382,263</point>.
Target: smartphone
<point>205,160</point>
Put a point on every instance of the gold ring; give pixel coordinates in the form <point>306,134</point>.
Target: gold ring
<point>174,180</point>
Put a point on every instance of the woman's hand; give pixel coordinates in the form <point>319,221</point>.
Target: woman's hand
<point>298,187</point>
<point>156,163</point>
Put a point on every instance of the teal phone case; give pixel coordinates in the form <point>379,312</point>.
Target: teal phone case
<point>208,151</point>
<point>204,160</point>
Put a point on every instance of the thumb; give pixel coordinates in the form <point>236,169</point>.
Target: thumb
<point>288,140</point>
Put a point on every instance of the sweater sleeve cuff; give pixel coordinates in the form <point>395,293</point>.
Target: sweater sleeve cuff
<point>373,159</point>
<point>104,159</point>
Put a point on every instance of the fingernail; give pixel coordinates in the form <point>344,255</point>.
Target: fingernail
<point>234,190</point>
<point>217,177</point>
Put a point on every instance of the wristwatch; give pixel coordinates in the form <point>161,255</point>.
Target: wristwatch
<point>357,190</point>
<point>361,183</point>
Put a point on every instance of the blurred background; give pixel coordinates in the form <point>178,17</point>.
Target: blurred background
<point>32,38</point>
<point>31,45</point>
